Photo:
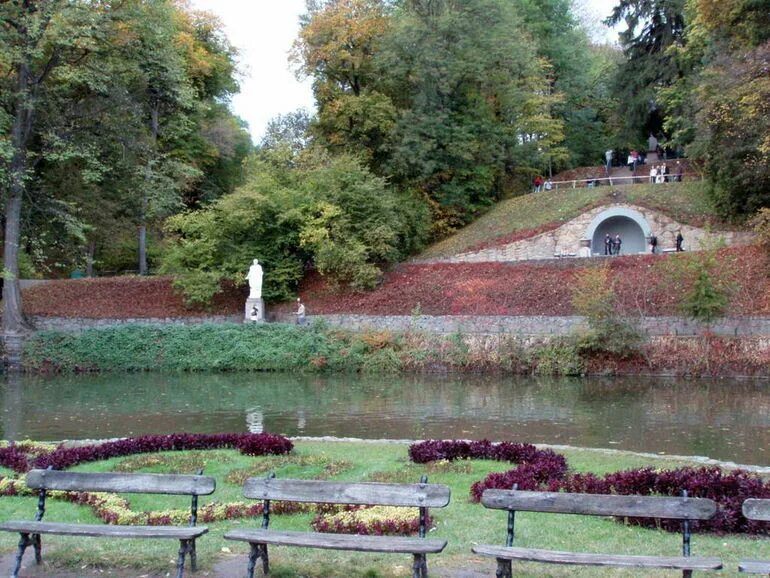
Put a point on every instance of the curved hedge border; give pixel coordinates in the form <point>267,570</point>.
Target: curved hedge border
<point>23,457</point>
<point>113,509</point>
<point>544,470</point>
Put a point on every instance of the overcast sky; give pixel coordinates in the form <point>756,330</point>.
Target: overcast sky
<point>263,32</point>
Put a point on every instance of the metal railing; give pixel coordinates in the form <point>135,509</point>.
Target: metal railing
<point>629,180</point>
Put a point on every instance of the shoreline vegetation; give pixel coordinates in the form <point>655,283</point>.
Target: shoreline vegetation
<point>462,523</point>
<point>320,348</point>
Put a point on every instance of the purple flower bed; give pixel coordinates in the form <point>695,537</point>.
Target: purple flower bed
<point>535,466</point>
<point>62,458</point>
<point>545,470</point>
<point>14,458</point>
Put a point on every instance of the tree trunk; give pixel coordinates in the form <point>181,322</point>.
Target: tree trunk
<point>154,130</point>
<point>90,258</point>
<point>13,319</point>
<point>143,247</point>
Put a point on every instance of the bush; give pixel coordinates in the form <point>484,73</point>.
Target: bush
<point>557,357</point>
<point>63,457</point>
<point>217,347</point>
<point>593,296</point>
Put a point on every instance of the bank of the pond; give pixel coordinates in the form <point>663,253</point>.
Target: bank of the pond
<point>321,348</point>
<point>462,523</point>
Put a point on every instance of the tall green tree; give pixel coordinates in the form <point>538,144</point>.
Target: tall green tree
<point>324,211</point>
<point>475,103</point>
<point>720,107</point>
<point>652,28</point>
<point>46,47</point>
<point>104,109</point>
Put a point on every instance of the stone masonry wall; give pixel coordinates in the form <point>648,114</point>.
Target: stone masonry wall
<point>522,326</point>
<point>566,239</point>
<point>539,326</point>
<point>80,324</point>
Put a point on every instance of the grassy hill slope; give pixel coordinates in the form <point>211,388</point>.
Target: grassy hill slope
<point>515,218</point>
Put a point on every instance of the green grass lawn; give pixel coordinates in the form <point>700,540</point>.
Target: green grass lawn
<point>686,202</point>
<point>461,523</point>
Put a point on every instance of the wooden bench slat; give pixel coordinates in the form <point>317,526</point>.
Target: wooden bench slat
<point>366,493</point>
<point>755,509</point>
<point>601,505</point>
<point>754,566</point>
<point>358,543</point>
<point>96,530</point>
<point>128,483</point>
<point>589,559</point>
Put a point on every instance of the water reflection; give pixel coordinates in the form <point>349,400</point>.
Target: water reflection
<point>721,419</point>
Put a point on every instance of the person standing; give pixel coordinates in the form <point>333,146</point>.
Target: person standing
<point>653,173</point>
<point>618,243</point>
<point>538,183</point>
<point>608,158</point>
<point>679,172</point>
<point>607,244</point>
<point>679,242</point>
<point>300,312</point>
<point>653,244</point>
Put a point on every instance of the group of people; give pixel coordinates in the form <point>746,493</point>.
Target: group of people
<point>539,184</point>
<point>662,174</point>
<point>612,244</point>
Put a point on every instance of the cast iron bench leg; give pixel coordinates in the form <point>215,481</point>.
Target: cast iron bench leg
<point>184,547</point>
<point>24,541</point>
<point>265,562</point>
<point>257,551</point>
<point>504,569</point>
<point>420,566</point>
<point>38,548</point>
<point>193,557</point>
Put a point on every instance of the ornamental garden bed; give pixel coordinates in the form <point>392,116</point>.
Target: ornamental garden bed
<point>462,523</point>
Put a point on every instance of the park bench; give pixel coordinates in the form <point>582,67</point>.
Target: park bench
<point>422,496</point>
<point>46,480</point>
<point>754,509</point>
<point>683,508</point>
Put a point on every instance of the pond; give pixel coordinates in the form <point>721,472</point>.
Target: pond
<point>722,419</point>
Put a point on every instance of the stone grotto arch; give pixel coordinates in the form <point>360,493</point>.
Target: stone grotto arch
<point>628,223</point>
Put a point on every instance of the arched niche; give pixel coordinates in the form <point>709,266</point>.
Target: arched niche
<point>628,223</point>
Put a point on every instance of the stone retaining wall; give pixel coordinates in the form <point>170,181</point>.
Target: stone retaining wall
<point>80,324</point>
<point>539,325</point>
<point>566,239</point>
<point>524,326</point>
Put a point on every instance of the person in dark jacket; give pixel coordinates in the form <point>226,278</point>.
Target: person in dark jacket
<point>679,242</point>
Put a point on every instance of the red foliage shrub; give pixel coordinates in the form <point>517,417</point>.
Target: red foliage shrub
<point>532,288</point>
<point>121,298</point>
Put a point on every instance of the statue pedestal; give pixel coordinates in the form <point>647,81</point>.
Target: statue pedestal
<point>250,315</point>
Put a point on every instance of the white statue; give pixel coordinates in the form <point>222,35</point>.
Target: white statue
<point>255,280</point>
